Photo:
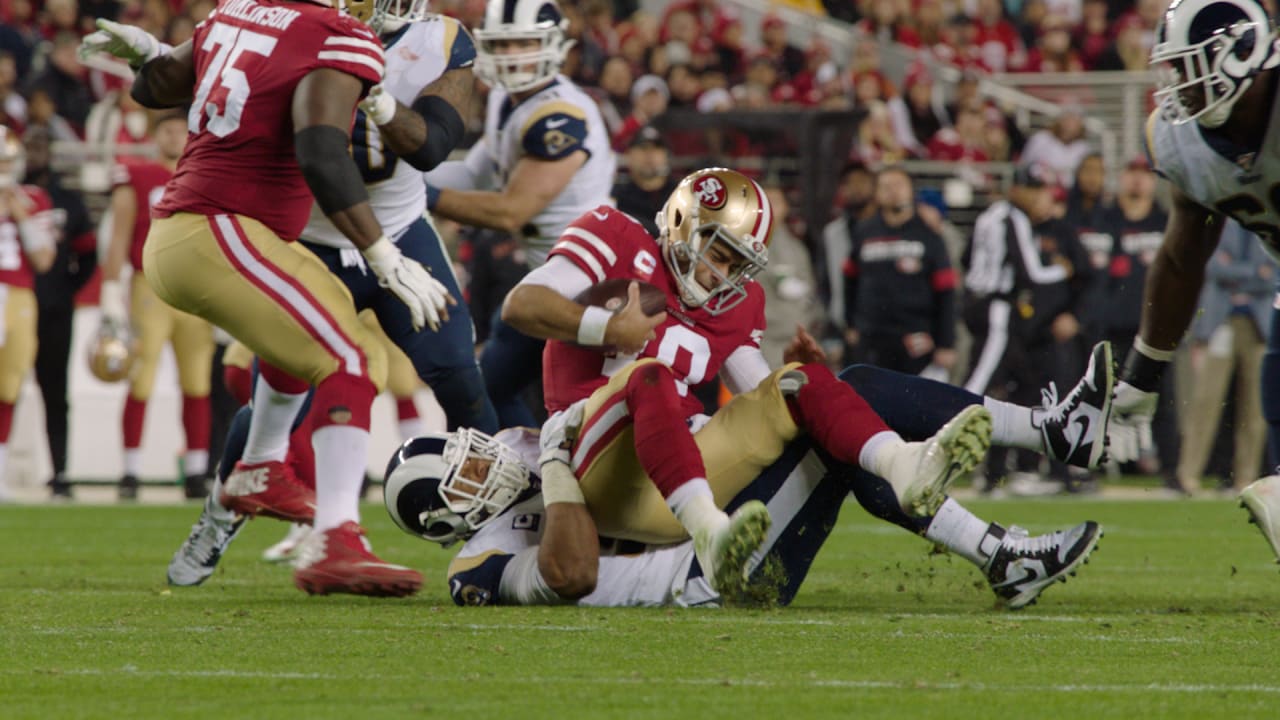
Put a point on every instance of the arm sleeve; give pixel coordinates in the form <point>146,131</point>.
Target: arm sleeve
<point>354,50</point>
<point>744,369</point>
<point>584,242</point>
<point>559,274</point>
<point>475,172</point>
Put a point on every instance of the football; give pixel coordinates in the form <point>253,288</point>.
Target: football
<point>611,295</point>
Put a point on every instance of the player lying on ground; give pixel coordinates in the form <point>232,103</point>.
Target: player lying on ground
<point>529,542</point>
<point>644,474</point>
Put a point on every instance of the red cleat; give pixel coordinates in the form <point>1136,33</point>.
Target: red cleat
<point>269,489</point>
<point>339,560</point>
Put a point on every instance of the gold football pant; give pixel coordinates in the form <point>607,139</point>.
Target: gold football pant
<point>17,339</point>
<point>154,324</point>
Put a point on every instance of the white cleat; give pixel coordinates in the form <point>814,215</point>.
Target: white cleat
<point>921,472</point>
<point>287,549</point>
<point>199,554</point>
<point>724,553</point>
<point>1262,500</point>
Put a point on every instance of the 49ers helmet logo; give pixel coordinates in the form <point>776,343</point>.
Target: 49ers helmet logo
<point>710,192</point>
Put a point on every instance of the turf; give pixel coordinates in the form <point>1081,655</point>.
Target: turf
<point>1174,617</point>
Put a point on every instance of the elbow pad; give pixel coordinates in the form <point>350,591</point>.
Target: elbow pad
<point>444,131</point>
<point>328,168</point>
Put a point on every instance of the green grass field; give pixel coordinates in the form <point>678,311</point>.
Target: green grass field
<point>1175,616</point>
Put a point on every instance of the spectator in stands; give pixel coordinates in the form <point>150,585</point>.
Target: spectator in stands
<point>1000,45</point>
<point>13,107</point>
<point>63,80</point>
<point>900,299</point>
<point>928,22</point>
<point>966,93</point>
<point>731,56</point>
<point>1061,146</point>
<point>644,190</point>
<point>1093,34</point>
<point>117,121</point>
<point>55,291</point>
<point>789,285</point>
<point>875,143</point>
<point>856,202</point>
<point>42,112</point>
<point>684,35</point>
<point>614,93</point>
<point>1053,51</point>
<point>649,97</point>
<point>683,85</point>
<point>1092,214</point>
<point>886,23</point>
<point>963,142</point>
<point>960,46</point>
<point>60,16</point>
<point>17,34</point>
<point>773,36</point>
<point>916,117</point>
<point>706,15</point>
<point>997,143</point>
<point>180,30</point>
<point>1229,336</point>
<point>1130,50</point>
<point>1032,14</point>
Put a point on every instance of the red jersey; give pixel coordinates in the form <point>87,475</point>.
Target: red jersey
<point>147,179</point>
<point>239,156</point>
<point>606,243</point>
<point>15,271</point>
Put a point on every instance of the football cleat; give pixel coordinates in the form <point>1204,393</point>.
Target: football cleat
<point>340,560</point>
<point>268,489</point>
<point>1022,566</point>
<point>724,553</point>
<point>195,487</point>
<point>127,489</point>
<point>921,472</point>
<point>199,554</point>
<point>287,549</point>
<point>1262,500</point>
<point>1074,429</point>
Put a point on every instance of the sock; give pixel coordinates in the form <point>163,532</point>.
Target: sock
<point>135,412</point>
<point>835,416</point>
<point>341,454</point>
<point>878,453</point>
<point>410,423</point>
<point>340,440</point>
<point>302,456</point>
<point>4,459</point>
<point>1011,426</point>
<point>273,413</point>
<point>6,421</point>
<point>695,507</point>
<point>239,383</point>
<point>196,462</point>
<point>195,424</point>
<point>959,531</point>
<point>216,509</point>
<point>132,461</point>
<point>664,445</point>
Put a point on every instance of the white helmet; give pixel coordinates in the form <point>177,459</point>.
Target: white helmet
<point>1208,52</point>
<point>428,495</point>
<point>507,21</point>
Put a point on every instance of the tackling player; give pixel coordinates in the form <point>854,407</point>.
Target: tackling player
<point>644,476</point>
<point>273,86</point>
<point>544,160</point>
<point>1214,137</point>
<point>27,247</point>
<point>139,185</point>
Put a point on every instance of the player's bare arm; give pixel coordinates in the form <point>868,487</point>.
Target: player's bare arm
<point>37,240</point>
<point>532,186</point>
<point>423,135</point>
<point>124,211</point>
<point>168,81</point>
<point>1177,273</point>
<point>569,552</point>
<point>538,311</point>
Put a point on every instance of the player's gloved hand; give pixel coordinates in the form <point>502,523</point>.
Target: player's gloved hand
<point>379,105</point>
<point>111,300</point>
<point>428,299</point>
<point>1129,432</point>
<point>559,433</point>
<point>131,44</point>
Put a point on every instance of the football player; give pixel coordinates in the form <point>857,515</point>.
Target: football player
<point>273,89</point>
<point>139,186</point>
<point>644,476</point>
<point>26,248</point>
<point>525,545</point>
<point>544,160</point>
<point>1213,136</point>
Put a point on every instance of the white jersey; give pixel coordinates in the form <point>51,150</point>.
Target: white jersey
<point>1221,176</point>
<point>556,121</point>
<point>416,56</point>
<point>499,564</point>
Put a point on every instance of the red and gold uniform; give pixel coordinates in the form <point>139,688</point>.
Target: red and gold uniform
<point>17,298</point>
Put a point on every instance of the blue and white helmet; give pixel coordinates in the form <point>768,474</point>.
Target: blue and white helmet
<point>1208,52</point>
<point>430,492</point>
<point>515,20</point>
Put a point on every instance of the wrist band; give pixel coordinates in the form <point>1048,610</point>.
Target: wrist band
<point>1144,366</point>
<point>559,485</point>
<point>592,326</point>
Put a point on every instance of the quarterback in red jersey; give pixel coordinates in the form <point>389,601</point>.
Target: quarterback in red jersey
<point>648,467</point>
<point>137,312</point>
<point>26,248</point>
<point>273,87</point>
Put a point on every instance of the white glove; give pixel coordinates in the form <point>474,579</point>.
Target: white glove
<point>111,300</point>
<point>379,105</point>
<point>1129,431</point>
<point>559,433</point>
<point>428,299</point>
<point>127,42</point>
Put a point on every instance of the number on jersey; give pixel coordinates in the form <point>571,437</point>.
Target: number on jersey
<point>224,88</point>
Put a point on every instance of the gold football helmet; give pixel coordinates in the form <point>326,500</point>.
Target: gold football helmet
<point>13,158</point>
<point>112,353</point>
<point>384,16</point>
<point>710,206</point>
